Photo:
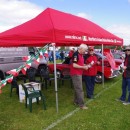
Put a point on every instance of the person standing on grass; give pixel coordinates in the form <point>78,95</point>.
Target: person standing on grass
<point>126,78</point>
<point>76,71</point>
<point>71,52</point>
<point>89,75</point>
<point>61,55</point>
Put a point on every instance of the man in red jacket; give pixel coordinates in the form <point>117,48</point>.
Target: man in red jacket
<point>76,71</point>
<point>89,75</point>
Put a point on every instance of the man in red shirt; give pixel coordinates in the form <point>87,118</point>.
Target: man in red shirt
<point>89,75</point>
<point>76,71</point>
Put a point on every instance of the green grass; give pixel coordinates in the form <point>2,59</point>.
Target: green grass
<point>104,112</point>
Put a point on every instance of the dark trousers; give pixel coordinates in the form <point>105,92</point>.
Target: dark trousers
<point>125,88</point>
<point>89,83</point>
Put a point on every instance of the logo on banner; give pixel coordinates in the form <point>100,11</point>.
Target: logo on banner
<point>115,40</point>
<point>73,37</point>
<point>84,38</point>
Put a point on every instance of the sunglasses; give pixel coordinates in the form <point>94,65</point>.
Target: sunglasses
<point>127,50</point>
<point>91,50</point>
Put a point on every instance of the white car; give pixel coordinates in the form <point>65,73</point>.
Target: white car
<point>12,58</point>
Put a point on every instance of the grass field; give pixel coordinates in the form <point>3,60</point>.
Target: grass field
<point>104,112</point>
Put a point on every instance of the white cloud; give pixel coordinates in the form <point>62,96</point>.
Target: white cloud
<point>128,1</point>
<point>123,31</point>
<point>15,12</point>
<point>84,15</point>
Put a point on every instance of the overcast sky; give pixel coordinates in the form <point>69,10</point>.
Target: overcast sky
<point>112,15</point>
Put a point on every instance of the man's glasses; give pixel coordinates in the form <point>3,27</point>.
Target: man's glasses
<point>127,50</point>
<point>91,50</point>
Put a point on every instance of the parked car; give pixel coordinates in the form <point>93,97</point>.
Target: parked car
<point>111,70</point>
<point>119,59</point>
<point>12,58</point>
<point>119,55</point>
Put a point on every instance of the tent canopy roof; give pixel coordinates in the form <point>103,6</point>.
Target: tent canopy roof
<point>52,26</point>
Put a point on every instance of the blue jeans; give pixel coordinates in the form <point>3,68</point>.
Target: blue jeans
<point>89,83</point>
<point>125,87</point>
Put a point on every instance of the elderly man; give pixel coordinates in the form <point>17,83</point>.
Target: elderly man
<point>126,78</point>
<point>90,74</point>
<point>76,71</point>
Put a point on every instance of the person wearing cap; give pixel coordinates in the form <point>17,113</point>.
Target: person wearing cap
<point>69,58</point>
<point>89,75</point>
<point>76,71</point>
<point>126,78</point>
<point>71,52</point>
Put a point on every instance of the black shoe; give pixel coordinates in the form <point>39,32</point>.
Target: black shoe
<point>90,97</point>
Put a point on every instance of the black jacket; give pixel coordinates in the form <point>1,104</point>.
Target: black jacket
<point>128,66</point>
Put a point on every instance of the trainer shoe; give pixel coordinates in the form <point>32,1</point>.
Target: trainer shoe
<point>119,100</point>
<point>126,103</point>
<point>84,108</point>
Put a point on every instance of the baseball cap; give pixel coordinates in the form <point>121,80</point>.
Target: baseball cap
<point>126,48</point>
<point>91,47</point>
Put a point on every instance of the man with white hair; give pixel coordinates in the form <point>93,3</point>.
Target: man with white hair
<point>126,78</point>
<point>76,71</point>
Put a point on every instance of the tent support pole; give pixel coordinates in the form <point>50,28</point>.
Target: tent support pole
<point>102,66</point>
<point>55,74</point>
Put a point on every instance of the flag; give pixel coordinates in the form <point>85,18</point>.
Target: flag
<point>24,70</point>
<point>41,54</point>
<point>26,58</point>
<point>37,59</point>
<point>3,83</point>
<point>9,78</point>
<point>28,65</point>
<point>14,72</point>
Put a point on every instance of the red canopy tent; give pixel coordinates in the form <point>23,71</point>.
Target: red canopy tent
<point>52,26</point>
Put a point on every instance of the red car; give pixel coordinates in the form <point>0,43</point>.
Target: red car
<point>110,68</point>
<point>119,59</point>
